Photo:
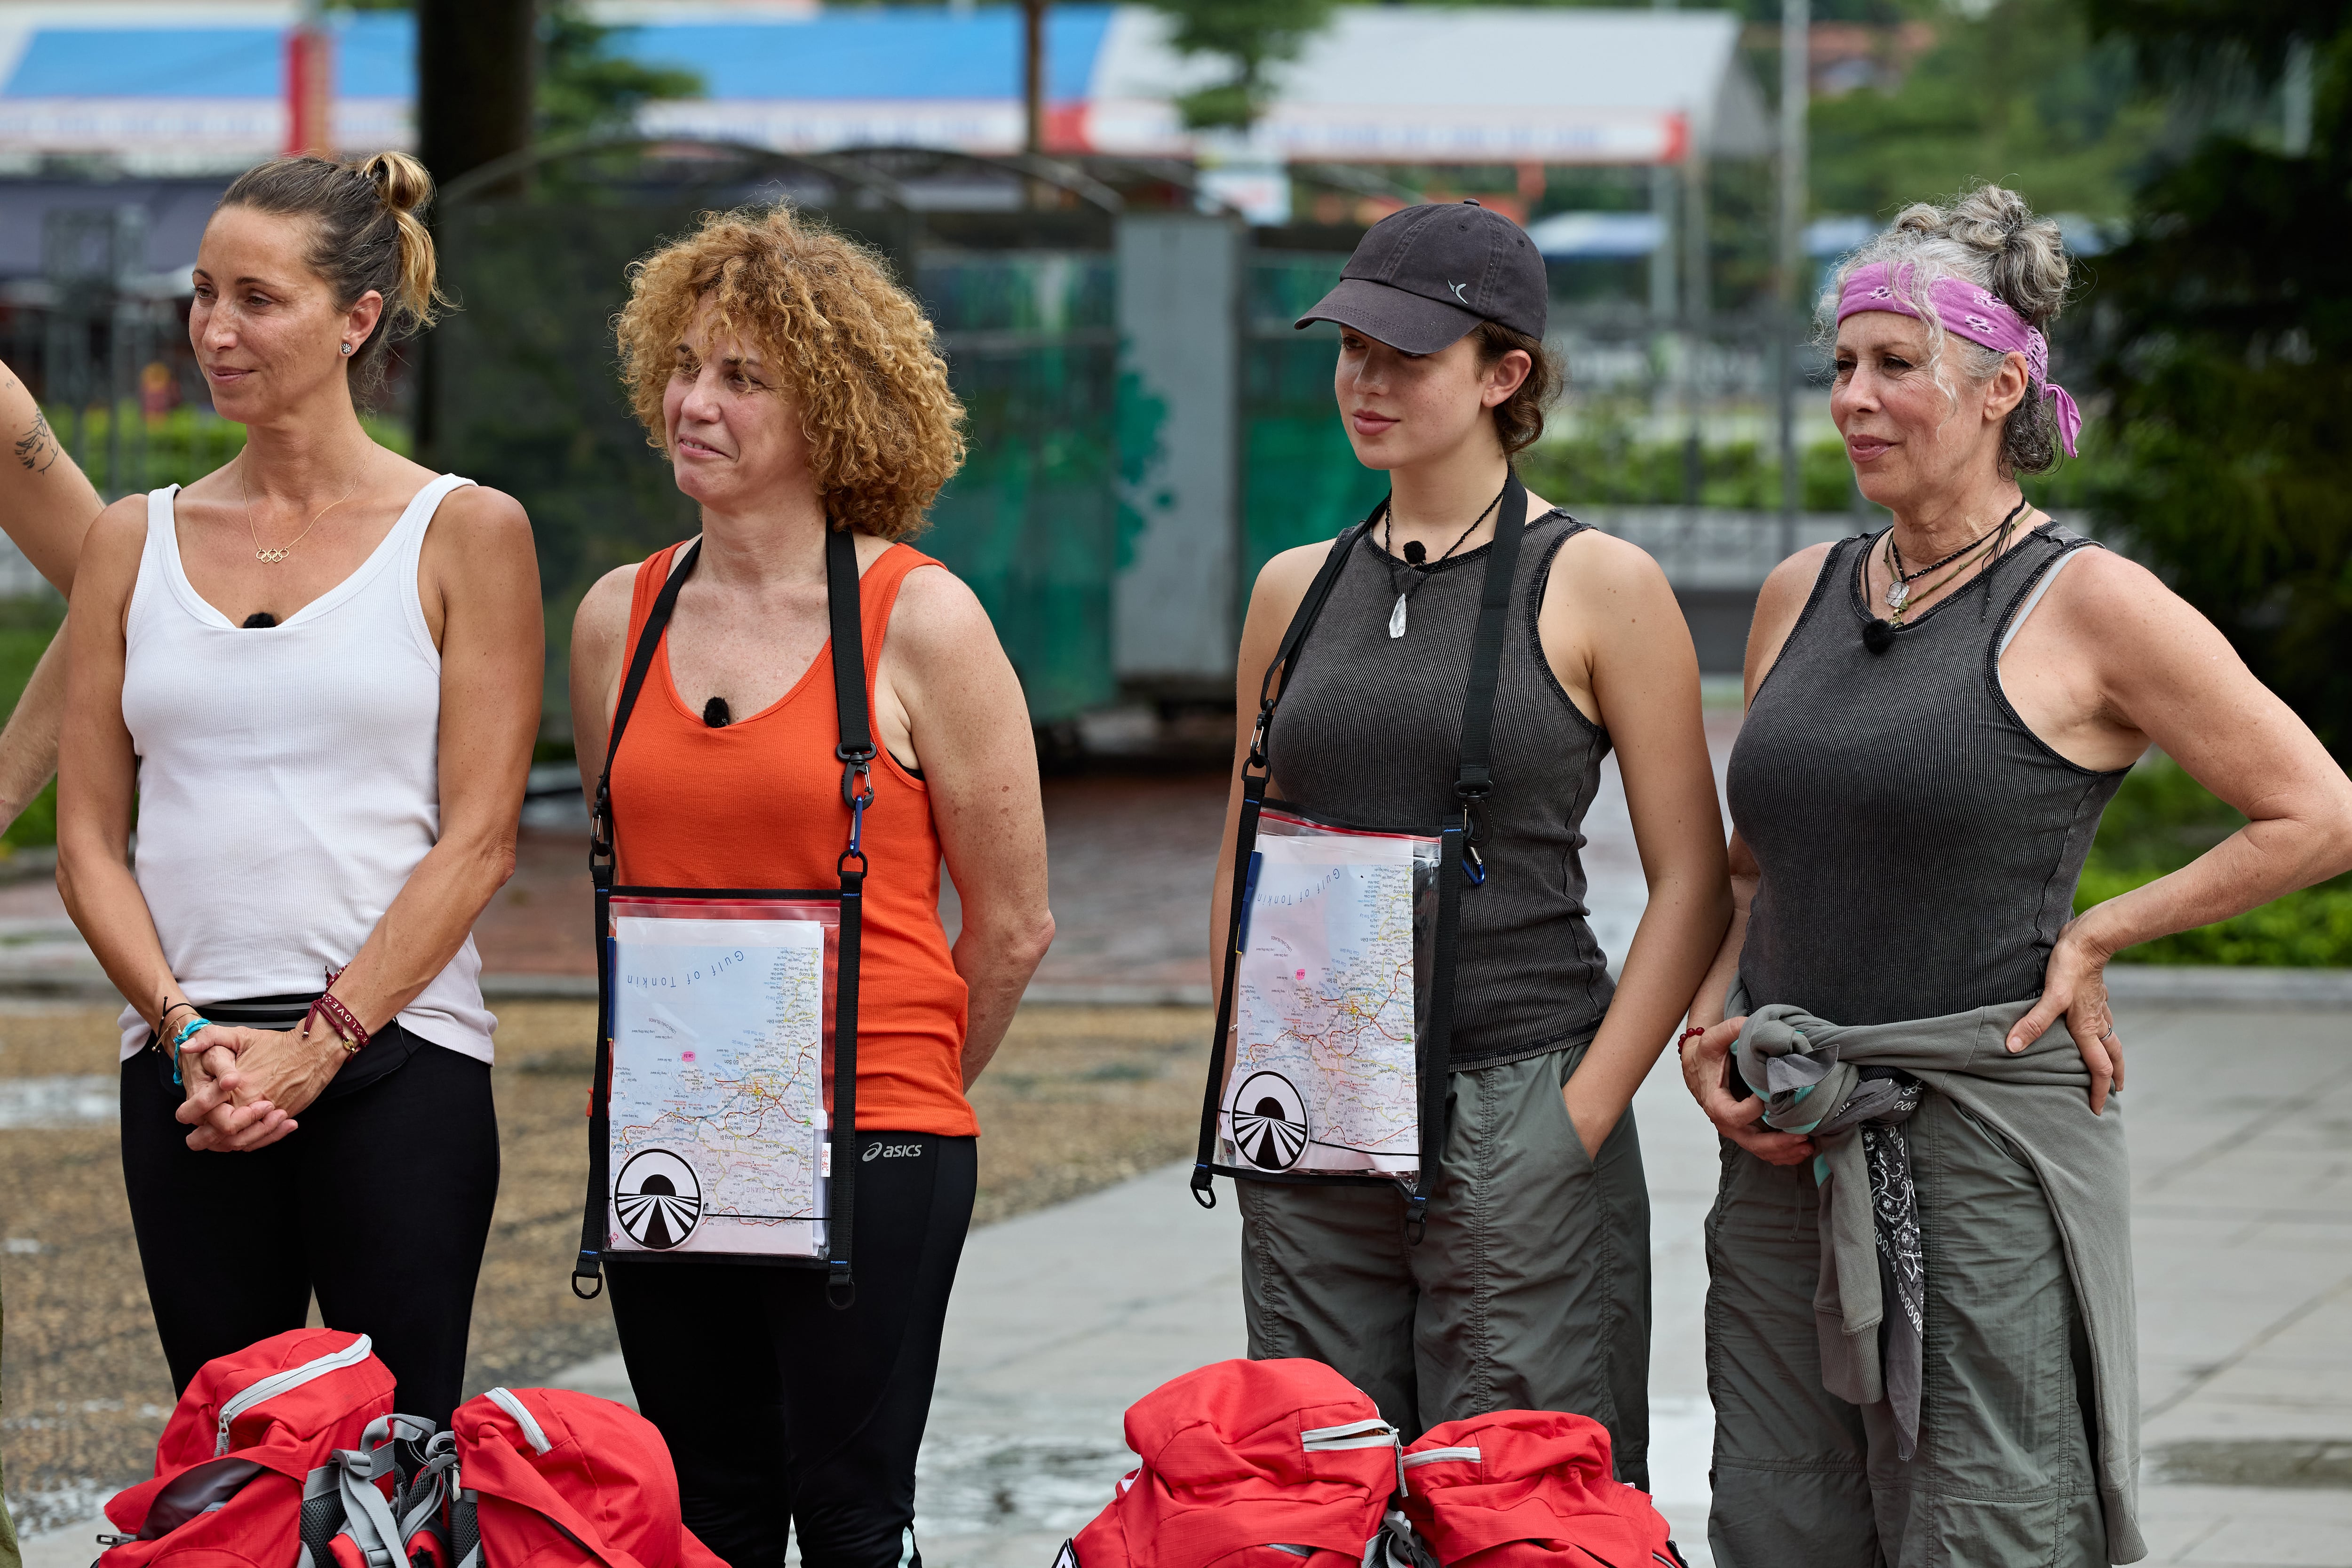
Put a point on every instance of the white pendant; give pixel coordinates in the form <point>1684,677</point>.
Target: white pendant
<point>1898,593</point>
<point>1396,618</point>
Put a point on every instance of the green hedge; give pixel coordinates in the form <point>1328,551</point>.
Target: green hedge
<point>2160,820</point>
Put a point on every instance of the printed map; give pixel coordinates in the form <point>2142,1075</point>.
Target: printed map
<point>1323,1071</point>
<point>717,1107</point>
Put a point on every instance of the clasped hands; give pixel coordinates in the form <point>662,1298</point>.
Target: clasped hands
<point>247,1085</point>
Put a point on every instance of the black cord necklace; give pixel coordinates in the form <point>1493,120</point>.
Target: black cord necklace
<point>1898,592</point>
<point>1877,635</point>
<point>1416,555</point>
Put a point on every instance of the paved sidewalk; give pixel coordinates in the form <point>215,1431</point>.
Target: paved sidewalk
<point>2240,1128</point>
<point>2242,1138</point>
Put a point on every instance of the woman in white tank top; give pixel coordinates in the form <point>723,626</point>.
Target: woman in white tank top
<point>315,676</point>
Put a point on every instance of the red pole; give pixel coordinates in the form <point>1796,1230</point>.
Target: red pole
<point>309,85</point>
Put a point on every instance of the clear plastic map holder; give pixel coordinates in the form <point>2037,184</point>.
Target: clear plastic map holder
<point>722,1118</point>
<point>720,1039</point>
<point>1334,933</point>
<point>1331,993</point>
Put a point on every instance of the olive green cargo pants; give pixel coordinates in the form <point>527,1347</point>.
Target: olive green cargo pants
<point>2003,1476</point>
<point>1530,1288</point>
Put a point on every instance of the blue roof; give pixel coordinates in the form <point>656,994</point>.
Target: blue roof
<point>924,53</point>
<point>375,57</point>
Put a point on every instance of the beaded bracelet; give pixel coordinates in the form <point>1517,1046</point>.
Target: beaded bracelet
<point>1692,1032</point>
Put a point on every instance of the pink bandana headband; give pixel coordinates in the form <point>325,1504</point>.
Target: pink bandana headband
<point>1967,312</point>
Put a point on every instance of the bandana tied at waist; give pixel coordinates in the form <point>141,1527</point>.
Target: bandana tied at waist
<point>1870,1219</point>
<point>1851,1088</point>
<point>1967,310</point>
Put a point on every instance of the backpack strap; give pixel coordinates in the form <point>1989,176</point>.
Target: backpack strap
<point>1254,771</point>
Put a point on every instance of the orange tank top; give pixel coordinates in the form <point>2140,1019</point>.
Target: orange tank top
<point>757,804</point>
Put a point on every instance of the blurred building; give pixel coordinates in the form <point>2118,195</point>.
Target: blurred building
<point>162,87</point>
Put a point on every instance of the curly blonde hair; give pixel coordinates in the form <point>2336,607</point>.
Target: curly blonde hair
<point>883,431</point>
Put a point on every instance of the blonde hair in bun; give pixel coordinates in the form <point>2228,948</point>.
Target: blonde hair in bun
<point>366,234</point>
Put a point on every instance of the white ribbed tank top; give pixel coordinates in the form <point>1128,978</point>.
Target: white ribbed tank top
<point>289,777</point>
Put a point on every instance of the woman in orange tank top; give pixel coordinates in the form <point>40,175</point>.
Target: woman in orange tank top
<point>795,388</point>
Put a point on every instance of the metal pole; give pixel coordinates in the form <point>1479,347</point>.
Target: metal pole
<point>1033,75</point>
<point>310,83</point>
<point>1796,38</point>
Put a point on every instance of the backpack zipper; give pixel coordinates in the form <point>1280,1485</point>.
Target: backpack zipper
<point>1372,1434</point>
<point>1439,1455</point>
<point>279,1383</point>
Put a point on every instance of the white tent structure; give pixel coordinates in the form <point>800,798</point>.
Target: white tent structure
<point>1403,84</point>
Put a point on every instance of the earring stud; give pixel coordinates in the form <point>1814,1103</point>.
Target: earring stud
<point>347,349</point>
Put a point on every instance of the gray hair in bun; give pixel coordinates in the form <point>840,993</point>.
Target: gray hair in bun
<point>1991,237</point>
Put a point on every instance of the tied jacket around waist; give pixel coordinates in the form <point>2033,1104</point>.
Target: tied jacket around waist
<point>2039,1101</point>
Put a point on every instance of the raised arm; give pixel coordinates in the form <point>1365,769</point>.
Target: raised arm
<point>46,503</point>
<point>47,506</point>
<point>969,724</point>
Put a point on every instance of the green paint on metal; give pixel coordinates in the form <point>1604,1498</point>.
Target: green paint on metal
<point>1300,481</point>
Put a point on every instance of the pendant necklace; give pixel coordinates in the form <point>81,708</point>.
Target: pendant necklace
<point>1878,635</point>
<point>1416,555</point>
<point>273,554</point>
<point>1898,592</point>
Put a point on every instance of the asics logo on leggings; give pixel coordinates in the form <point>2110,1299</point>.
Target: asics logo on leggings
<point>891,1152</point>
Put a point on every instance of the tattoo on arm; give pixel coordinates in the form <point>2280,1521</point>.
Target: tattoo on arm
<point>36,449</point>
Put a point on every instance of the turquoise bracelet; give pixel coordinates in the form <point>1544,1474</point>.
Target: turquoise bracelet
<point>187,1031</point>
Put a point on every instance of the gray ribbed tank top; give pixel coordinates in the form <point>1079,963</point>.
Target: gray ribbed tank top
<point>1919,846</point>
<point>1368,733</point>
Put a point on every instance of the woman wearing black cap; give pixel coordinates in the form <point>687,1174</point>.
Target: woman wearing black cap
<point>1513,1270</point>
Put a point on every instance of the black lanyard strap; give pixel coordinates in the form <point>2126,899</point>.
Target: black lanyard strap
<point>856,752</point>
<point>1459,860</point>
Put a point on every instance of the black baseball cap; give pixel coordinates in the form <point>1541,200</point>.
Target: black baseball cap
<point>1422,279</point>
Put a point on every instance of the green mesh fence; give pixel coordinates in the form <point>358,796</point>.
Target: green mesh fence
<point>1032,521</point>
<point>1300,480</point>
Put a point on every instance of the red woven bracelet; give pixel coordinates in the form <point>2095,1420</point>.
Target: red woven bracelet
<point>341,1019</point>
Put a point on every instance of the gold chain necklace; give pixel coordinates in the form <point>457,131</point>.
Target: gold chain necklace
<point>273,554</point>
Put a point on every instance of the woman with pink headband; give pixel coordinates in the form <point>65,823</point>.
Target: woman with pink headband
<point>1919,1325</point>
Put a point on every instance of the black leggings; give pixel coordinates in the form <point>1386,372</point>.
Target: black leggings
<point>380,1201</point>
<point>781,1411</point>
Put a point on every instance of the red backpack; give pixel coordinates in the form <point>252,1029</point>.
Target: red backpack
<point>252,1431</point>
<point>1248,1464</point>
<point>549,1478</point>
<point>1529,1488</point>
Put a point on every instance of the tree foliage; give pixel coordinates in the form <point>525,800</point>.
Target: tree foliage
<point>2226,327</point>
<point>1251,34</point>
<point>2020,93</point>
<point>586,86</point>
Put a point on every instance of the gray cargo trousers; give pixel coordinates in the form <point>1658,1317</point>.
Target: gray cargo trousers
<point>2003,1476</point>
<point>1530,1288</point>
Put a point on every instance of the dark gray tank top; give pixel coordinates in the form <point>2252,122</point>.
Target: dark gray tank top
<point>1368,733</point>
<point>1919,846</point>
